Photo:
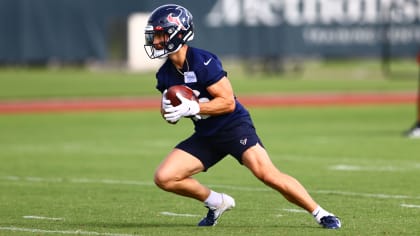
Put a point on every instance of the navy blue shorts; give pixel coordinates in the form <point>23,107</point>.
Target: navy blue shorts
<point>232,140</point>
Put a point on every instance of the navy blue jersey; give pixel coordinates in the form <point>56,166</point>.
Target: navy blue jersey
<point>201,69</point>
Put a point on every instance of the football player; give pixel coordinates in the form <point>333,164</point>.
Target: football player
<point>222,125</point>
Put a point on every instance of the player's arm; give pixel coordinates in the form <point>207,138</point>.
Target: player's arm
<point>223,101</point>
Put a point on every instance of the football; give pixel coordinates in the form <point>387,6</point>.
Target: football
<point>185,91</point>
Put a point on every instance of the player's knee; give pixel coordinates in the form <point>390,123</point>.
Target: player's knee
<point>161,180</point>
<point>165,181</point>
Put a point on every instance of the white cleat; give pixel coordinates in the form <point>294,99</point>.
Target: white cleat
<point>215,213</point>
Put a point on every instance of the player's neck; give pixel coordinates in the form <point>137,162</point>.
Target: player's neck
<point>178,58</point>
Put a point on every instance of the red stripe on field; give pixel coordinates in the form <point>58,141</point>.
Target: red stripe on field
<point>79,105</point>
<point>329,99</point>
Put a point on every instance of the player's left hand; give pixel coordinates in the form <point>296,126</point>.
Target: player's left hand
<point>185,109</point>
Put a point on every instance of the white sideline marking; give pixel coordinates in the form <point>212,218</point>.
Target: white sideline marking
<point>77,180</point>
<point>368,195</point>
<point>295,210</point>
<point>76,232</point>
<point>343,167</point>
<point>250,189</point>
<point>291,210</point>
<point>410,206</point>
<point>42,218</point>
<point>166,213</point>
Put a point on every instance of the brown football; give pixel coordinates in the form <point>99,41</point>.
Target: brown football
<point>185,91</point>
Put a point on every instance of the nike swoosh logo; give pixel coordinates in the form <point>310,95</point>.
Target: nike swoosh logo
<point>207,62</point>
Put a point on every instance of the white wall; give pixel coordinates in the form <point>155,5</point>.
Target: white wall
<point>137,58</point>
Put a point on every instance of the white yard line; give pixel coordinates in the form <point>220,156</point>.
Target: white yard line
<point>345,167</point>
<point>42,218</point>
<point>367,195</point>
<point>44,231</point>
<point>294,210</point>
<point>410,206</point>
<point>76,180</point>
<point>166,213</point>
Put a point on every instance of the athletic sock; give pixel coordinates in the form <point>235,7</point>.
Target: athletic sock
<point>214,199</point>
<point>319,212</point>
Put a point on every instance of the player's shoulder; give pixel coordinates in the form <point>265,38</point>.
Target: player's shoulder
<point>200,51</point>
<point>202,55</point>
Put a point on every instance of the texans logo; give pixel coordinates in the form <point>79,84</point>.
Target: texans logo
<point>180,20</point>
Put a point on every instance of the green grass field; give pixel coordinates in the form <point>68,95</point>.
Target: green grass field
<point>91,173</point>
<point>347,76</point>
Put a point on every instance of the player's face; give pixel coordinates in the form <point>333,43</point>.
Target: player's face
<point>159,40</point>
<point>155,42</point>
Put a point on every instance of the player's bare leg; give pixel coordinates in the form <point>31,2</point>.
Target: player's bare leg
<point>258,161</point>
<point>174,175</point>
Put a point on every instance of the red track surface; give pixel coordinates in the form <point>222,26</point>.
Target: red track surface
<point>143,103</point>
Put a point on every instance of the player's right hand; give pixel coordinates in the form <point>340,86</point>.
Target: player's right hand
<point>166,103</point>
<point>187,108</point>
